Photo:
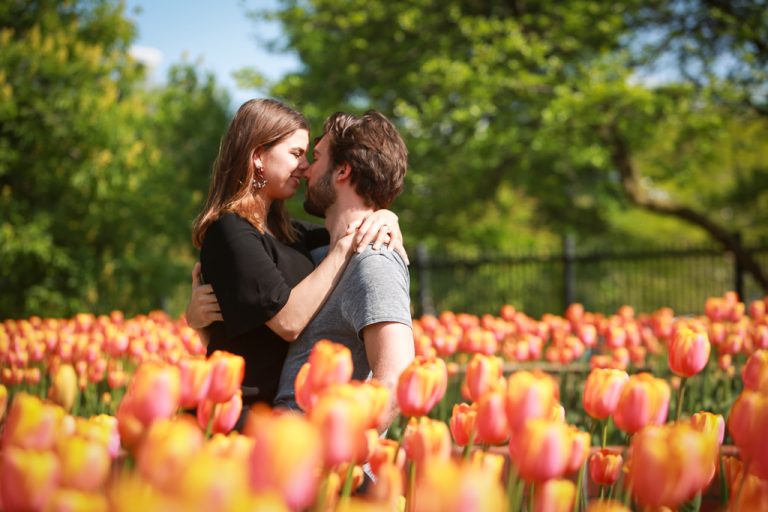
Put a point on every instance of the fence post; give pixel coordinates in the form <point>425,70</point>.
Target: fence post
<point>568,254</point>
<point>738,271</point>
<point>426,306</point>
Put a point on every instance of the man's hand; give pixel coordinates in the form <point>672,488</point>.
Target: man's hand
<point>203,308</point>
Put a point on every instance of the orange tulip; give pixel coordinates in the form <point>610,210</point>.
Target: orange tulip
<point>541,449</point>
<point>227,371</point>
<point>28,478</point>
<point>286,455</point>
<point>602,390</point>
<point>63,499</point>
<point>153,392</point>
<point>580,442</point>
<point>492,423</point>
<point>688,352</point>
<point>389,486</point>
<point>605,466</point>
<point>463,423</point>
<point>606,506</point>
<point>491,463</point>
<point>342,424</point>
<point>101,429</point>
<point>449,487</point>
<point>426,440</point>
<point>329,363</point>
<point>225,415</point>
<point>195,378</point>
<point>482,373</point>
<point>530,395</point>
<point>748,424</point>
<point>643,401</point>
<point>64,389</point>
<point>32,423</point>
<point>84,464</point>
<point>670,464</point>
<point>208,482</point>
<point>166,449</point>
<point>709,423</point>
<point>755,372</point>
<point>421,386</point>
<point>754,496</point>
<point>386,451</point>
<point>554,496</point>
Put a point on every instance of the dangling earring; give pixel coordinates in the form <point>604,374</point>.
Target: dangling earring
<point>259,182</point>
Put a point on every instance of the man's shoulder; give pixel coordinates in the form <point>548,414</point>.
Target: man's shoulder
<point>382,258</point>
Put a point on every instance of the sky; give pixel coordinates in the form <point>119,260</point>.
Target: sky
<point>217,34</point>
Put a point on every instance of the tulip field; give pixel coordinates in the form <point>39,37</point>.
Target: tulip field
<point>499,412</point>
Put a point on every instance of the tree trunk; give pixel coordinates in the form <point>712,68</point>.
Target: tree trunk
<point>630,180</point>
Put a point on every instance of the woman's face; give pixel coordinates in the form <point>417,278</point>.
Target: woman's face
<point>284,165</point>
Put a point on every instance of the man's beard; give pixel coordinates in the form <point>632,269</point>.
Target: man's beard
<point>321,196</point>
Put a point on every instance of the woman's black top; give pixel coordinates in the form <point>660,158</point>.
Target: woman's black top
<point>252,275</point>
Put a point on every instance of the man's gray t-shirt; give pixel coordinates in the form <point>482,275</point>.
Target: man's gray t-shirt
<point>374,288</point>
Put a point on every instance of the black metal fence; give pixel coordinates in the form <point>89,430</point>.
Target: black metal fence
<point>680,278</point>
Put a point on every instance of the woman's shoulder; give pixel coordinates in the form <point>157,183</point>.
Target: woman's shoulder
<point>230,225</point>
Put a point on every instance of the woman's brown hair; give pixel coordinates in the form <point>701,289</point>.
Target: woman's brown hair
<point>258,124</point>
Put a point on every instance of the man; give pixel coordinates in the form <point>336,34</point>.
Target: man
<point>359,167</point>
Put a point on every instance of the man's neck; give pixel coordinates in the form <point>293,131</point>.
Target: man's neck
<point>338,218</point>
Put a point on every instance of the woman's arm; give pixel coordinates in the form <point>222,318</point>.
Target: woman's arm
<point>310,294</point>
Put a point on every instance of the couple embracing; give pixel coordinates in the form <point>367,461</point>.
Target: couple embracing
<point>275,286</point>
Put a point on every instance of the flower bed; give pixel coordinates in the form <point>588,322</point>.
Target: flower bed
<point>579,412</point>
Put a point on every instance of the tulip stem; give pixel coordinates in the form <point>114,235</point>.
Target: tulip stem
<point>531,498</point>
<point>579,485</point>
<point>514,496</point>
<point>209,427</point>
<point>347,490</point>
<point>321,495</point>
<point>604,440</point>
<point>680,397</point>
<point>470,445</point>
<point>411,506</point>
<point>723,482</point>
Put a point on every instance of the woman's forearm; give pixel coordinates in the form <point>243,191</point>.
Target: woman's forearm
<point>309,295</point>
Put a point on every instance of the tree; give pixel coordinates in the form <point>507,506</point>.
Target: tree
<point>92,202</point>
<point>552,99</point>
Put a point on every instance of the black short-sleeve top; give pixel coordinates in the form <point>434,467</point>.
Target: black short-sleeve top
<point>252,275</point>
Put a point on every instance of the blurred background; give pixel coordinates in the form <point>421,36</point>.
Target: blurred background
<point>561,151</point>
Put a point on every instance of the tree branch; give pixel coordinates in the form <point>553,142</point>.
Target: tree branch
<point>630,180</point>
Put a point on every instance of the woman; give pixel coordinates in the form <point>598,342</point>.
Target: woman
<point>254,257</point>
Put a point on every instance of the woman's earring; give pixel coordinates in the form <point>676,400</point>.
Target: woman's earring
<point>259,182</point>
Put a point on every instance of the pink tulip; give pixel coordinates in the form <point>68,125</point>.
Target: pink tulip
<point>492,423</point>
<point>530,395</point>
<point>225,416</point>
<point>28,478</point>
<point>643,401</point>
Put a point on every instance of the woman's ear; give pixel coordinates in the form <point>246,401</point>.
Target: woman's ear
<point>257,161</point>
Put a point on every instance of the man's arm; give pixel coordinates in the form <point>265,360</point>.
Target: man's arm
<point>389,347</point>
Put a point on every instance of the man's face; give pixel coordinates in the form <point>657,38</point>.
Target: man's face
<point>320,194</point>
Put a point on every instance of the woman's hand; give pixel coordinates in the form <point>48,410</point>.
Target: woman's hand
<point>203,308</point>
<point>380,227</point>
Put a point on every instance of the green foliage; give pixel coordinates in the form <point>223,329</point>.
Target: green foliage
<point>96,173</point>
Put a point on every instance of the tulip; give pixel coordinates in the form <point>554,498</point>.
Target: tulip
<point>342,425</point>
<point>602,390</point>
<point>28,478</point>
<point>711,424</point>
<point>224,417</point>
<point>64,500</point>
<point>579,450</point>
<point>755,372</point>
<point>304,394</point>
<point>558,413</point>
<point>129,492</point>
<point>208,482</point>
<point>426,440</point>
<point>748,424</point>
<point>84,464</point>
<point>447,486</point>
<point>101,429</point>
<point>233,446</point>
<point>541,449</point>
<point>421,386</point>
<point>688,352</point>
<point>167,448</point>
<point>530,395</point>
<point>386,451</point>
<point>643,401</point>
<point>154,392</point>
<point>554,496</point>
<point>64,389</point>
<point>195,380</point>
<point>605,466</point>
<point>606,506</point>
<point>492,423</point>
<point>462,423</point>
<point>286,455</point>
<point>227,371</point>
<point>491,463</point>
<point>670,464</point>
<point>329,363</point>
<point>389,486</point>
<point>32,423</point>
<point>752,494</point>
<point>482,373</point>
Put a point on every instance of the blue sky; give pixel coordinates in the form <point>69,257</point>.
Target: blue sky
<point>217,34</point>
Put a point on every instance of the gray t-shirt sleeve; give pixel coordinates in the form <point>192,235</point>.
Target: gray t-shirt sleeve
<point>377,290</point>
